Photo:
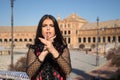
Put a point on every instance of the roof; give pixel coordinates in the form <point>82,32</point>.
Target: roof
<point>18,28</point>
<point>104,24</point>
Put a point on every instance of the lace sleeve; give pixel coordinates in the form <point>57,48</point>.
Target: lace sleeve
<point>64,61</point>
<point>33,63</point>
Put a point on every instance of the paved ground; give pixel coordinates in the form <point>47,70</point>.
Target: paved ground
<point>81,62</point>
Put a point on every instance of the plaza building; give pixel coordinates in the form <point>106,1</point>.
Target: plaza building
<point>76,30</point>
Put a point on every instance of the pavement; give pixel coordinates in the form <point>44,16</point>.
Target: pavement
<point>82,63</point>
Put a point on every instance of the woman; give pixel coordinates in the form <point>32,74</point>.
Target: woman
<point>49,57</point>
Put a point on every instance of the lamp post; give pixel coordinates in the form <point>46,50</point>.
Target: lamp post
<point>97,56</point>
<point>115,27</point>
<point>104,41</point>
<point>12,41</point>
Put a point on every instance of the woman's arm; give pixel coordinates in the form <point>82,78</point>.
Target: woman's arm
<point>33,63</point>
<point>64,61</point>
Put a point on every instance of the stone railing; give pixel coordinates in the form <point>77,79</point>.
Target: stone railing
<point>13,75</point>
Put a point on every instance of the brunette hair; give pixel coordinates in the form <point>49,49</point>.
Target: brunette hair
<point>59,38</point>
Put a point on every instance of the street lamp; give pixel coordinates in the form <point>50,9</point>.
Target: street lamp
<point>115,27</point>
<point>97,56</point>
<point>104,40</point>
<point>12,43</point>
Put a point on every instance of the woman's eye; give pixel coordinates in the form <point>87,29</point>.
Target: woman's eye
<point>51,25</point>
<point>44,25</point>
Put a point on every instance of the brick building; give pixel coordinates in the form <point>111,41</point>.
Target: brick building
<point>76,31</point>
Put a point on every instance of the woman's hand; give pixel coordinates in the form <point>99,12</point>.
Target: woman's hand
<point>49,46</point>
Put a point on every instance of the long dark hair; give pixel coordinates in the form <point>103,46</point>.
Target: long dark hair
<point>59,38</point>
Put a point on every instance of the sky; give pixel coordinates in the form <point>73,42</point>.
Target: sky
<point>29,12</point>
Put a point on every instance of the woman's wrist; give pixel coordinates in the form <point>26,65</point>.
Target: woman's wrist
<point>55,53</point>
<point>40,60</point>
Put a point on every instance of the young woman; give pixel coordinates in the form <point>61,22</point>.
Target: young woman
<point>49,57</point>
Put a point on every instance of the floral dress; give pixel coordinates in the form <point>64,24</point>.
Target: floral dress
<point>49,69</point>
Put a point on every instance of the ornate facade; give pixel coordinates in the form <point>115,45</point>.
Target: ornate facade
<point>75,30</point>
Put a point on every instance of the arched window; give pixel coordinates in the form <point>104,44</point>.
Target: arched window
<point>114,39</point>
<point>94,39</point>
<point>10,39</point>
<point>5,40</point>
<point>89,39</point>
<point>68,40</point>
<point>109,38</point>
<point>104,39</point>
<point>99,39</point>
<point>79,40</point>
<point>0,40</point>
<point>118,38</point>
<point>69,32</point>
<point>16,40</point>
<point>65,32</point>
<point>30,40</point>
<point>20,40</point>
<point>84,39</point>
<point>25,39</point>
<point>69,25</point>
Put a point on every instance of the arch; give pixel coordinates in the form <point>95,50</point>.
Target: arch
<point>0,40</point>
<point>118,38</point>
<point>94,40</point>
<point>104,39</point>
<point>25,39</point>
<point>84,39</point>
<point>15,40</point>
<point>109,38</point>
<point>5,40</point>
<point>20,40</point>
<point>30,40</point>
<point>79,39</point>
<point>89,39</point>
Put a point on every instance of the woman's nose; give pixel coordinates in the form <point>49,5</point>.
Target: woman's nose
<point>48,27</point>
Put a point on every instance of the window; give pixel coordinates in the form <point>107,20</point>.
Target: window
<point>109,38</point>
<point>0,40</point>
<point>68,25</point>
<point>84,39</point>
<point>5,40</point>
<point>118,38</point>
<point>10,39</point>
<point>69,32</point>
<point>104,39</point>
<point>25,39</point>
<point>65,32</point>
<point>68,40</point>
<point>114,39</point>
<point>79,40</point>
<point>89,39</point>
<point>30,40</point>
<point>20,40</point>
<point>99,39</point>
<point>94,39</point>
<point>15,40</point>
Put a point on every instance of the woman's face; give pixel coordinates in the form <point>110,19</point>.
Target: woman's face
<point>48,29</point>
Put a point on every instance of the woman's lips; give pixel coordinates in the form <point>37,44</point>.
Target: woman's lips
<point>48,35</point>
